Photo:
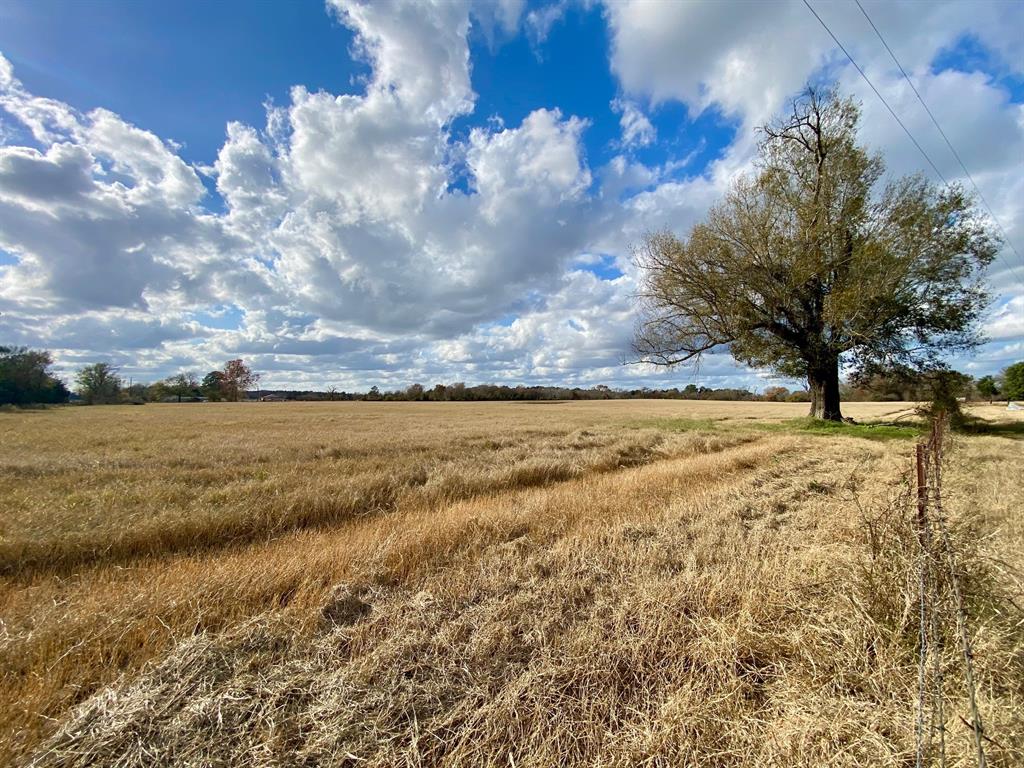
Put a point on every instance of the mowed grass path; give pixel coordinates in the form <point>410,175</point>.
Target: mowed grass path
<point>537,583</point>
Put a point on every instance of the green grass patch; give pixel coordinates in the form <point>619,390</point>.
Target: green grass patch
<point>806,425</point>
<point>867,431</point>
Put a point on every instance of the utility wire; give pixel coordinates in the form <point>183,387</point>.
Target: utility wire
<point>877,93</point>
<point>892,112</point>
<point>938,127</point>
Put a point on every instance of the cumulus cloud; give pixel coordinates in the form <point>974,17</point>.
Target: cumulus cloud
<point>356,239</point>
<point>341,214</point>
<point>744,57</point>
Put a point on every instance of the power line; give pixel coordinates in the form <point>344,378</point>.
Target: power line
<point>892,112</point>
<point>938,127</point>
<point>877,93</point>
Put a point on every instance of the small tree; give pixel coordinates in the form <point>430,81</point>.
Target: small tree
<point>157,391</point>
<point>813,263</point>
<point>1013,382</point>
<point>98,384</point>
<point>136,393</point>
<point>987,388</point>
<point>238,377</point>
<point>182,385</point>
<point>945,388</point>
<point>414,392</point>
<point>213,386</point>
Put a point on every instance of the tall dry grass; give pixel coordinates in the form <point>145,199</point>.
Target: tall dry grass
<point>716,603</point>
<point>81,485</point>
<point>129,528</point>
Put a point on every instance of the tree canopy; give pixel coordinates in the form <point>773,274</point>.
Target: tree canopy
<point>98,384</point>
<point>230,383</point>
<point>987,387</point>
<point>1013,382</point>
<point>238,377</point>
<point>213,385</point>
<point>814,261</point>
<point>182,385</point>
<point>25,378</point>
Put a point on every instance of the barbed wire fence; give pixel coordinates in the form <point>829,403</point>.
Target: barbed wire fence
<point>940,605</point>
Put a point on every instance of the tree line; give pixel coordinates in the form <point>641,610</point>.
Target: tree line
<point>26,379</point>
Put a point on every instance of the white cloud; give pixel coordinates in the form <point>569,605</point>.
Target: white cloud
<point>637,130</point>
<point>539,160</point>
<point>248,180</point>
<point>47,119</point>
<point>157,173</point>
<point>1007,321</point>
<point>418,52</point>
<point>539,21</point>
<point>748,58</point>
<point>61,176</point>
<point>498,18</point>
<point>362,243</point>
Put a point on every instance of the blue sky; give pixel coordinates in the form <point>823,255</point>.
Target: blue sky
<point>351,194</point>
<point>225,60</point>
<point>182,70</point>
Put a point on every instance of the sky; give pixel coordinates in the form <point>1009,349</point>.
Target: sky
<point>352,193</point>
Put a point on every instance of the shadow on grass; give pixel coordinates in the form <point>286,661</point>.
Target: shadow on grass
<point>880,430</point>
<point>9,408</point>
<point>869,431</point>
<point>1014,430</point>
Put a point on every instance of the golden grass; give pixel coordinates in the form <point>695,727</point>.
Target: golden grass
<point>553,586</point>
<point>87,484</point>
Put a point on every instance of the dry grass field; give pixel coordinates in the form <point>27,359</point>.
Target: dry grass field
<point>610,583</point>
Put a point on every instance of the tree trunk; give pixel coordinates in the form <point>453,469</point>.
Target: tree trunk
<point>823,381</point>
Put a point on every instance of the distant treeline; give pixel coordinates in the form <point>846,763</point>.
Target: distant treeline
<point>459,392</point>
<point>25,379</point>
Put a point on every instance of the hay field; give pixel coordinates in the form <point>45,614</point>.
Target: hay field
<point>530,584</point>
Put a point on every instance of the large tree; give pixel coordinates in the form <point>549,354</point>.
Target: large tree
<point>813,261</point>
<point>987,387</point>
<point>238,377</point>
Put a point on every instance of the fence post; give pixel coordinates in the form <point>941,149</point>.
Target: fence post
<point>922,540</point>
<point>922,491</point>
